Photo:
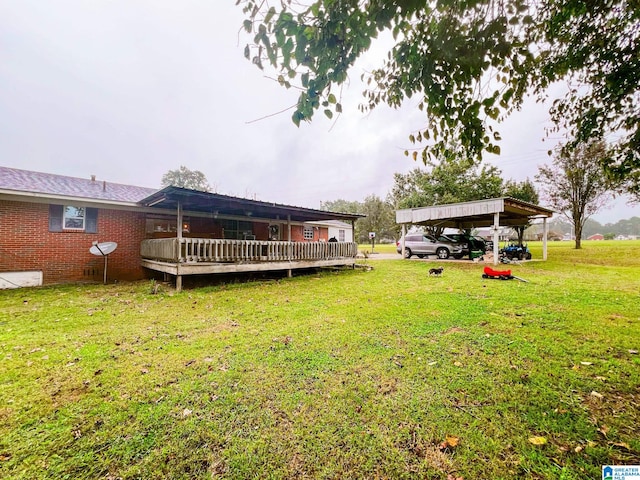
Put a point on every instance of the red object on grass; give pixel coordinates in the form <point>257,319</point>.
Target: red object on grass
<point>496,273</point>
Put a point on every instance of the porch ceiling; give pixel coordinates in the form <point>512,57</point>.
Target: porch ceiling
<point>213,203</point>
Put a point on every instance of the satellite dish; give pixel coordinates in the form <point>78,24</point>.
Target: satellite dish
<point>103,249</point>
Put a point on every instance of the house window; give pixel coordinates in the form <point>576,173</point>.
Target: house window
<point>341,235</point>
<point>307,233</point>
<point>73,217</point>
<point>166,224</point>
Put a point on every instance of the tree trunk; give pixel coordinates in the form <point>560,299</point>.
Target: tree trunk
<point>578,233</point>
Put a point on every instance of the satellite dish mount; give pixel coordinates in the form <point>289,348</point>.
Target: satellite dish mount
<point>103,249</point>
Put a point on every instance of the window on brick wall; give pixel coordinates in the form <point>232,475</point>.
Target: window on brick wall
<point>307,233</point>
<point>72,217</point>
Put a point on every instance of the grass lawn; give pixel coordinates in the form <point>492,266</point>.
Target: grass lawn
<point>388,373</point>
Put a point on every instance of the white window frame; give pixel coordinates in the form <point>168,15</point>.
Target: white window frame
<point>67,215</point>
<point>307,232</point>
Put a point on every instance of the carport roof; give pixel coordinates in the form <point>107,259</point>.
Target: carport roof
<point>197,201</point>
<point>479,213</point>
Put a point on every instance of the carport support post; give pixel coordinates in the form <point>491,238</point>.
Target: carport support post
<point>496,237</point>
<point>545,234</point>
<point>404,231</point>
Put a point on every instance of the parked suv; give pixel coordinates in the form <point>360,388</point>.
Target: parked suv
<point>468,242</point>
<point>421,244</point>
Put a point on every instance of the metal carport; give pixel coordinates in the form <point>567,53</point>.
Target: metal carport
<point>494,212</point>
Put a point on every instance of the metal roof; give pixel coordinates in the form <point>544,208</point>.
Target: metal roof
<point>478,213</point>
<point>214,203</point>
<point>47,184</point>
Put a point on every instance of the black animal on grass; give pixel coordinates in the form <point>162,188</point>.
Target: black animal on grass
<point>436,271</point>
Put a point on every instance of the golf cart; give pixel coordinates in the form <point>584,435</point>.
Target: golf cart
<point>515,251</point>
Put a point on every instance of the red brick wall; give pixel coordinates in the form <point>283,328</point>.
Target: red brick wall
<point>27,244</point>
<point>319,233</point>
<point>261,231</point>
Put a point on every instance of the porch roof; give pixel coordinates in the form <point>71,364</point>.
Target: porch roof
<point>214,203</point>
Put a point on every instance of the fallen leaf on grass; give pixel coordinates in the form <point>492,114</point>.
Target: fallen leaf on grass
<point>450,442</point>
<point>633,352</point>
<point>537,440</point>
<point>604,430</point>
<point>624,445</point>
<point>186,412</point>
<point>596,394</point>
<point>457,364</point>
<point>586,363</point>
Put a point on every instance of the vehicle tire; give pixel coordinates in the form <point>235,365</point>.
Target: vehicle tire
<point>442,253</point>
<point>420,255</point>
<point>528,256</point>
<point>458,257</point>
<point>407,253</point>
<point>522,256</point>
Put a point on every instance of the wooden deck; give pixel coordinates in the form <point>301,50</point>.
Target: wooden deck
<point>192,256</point>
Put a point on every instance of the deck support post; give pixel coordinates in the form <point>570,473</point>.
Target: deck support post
<point>179,247</point>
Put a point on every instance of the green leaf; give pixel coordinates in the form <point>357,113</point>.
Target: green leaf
<point>269,15</point>
<point>328,113</point>
<point>331,98</point>
<point>247,24</point>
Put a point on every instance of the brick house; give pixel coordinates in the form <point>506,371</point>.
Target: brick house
<point>48,223</point>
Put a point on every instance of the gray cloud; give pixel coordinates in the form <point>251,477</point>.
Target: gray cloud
<point>128,90</point>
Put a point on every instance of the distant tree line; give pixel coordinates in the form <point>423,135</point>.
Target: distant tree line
<point>626,227</point>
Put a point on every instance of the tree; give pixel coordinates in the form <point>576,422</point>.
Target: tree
<point>341,206</point>
<point>470,63</point>
<point>380,217</point>
<point>575,184</point>
<point>185,178</point>
<point>526,192</point>
<point>447,182</point>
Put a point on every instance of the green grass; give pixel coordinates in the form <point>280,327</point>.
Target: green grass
<point>351,374</point>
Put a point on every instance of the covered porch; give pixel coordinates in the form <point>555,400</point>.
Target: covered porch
<point>273,237</point>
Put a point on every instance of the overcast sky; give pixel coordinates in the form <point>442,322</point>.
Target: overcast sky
<point>127,90</point>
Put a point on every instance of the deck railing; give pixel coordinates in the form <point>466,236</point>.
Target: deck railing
<point>194,250</point>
